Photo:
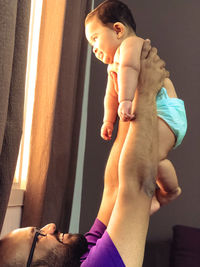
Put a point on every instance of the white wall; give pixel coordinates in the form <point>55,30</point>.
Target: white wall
<point>13,214</point>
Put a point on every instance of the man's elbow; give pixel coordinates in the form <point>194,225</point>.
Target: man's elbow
<point>149,186</point>
<point>147,179</point>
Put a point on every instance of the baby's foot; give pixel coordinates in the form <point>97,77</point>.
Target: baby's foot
<point>166,197</point>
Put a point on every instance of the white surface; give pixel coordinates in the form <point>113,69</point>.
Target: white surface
<point>76,205</point>
<point>14,211</point>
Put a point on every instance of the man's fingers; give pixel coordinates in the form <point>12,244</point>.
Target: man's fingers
<point>152,59</point>
<point>162,63</point>
<point>153,52</point>
<point>155,57</point>
<point>146,48</point>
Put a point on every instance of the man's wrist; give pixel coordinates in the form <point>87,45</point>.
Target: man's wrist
<point>147,91</point>
<point>145,100</point>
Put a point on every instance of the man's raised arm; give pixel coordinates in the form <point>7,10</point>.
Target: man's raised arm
<point>138,165</point>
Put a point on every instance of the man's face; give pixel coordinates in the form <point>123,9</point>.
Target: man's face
<point>104,40</point>
<point>18,243</point>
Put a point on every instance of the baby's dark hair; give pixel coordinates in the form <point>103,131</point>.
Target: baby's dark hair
<point>111,11</point>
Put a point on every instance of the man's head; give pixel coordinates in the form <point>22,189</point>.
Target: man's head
<point>52,248</point>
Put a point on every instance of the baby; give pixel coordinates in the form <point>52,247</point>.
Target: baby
<point>111,30</point>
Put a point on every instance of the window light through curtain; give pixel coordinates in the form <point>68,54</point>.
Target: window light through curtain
<point>31,72</point>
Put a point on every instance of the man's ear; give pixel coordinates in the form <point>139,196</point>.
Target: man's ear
<point>119,28</point>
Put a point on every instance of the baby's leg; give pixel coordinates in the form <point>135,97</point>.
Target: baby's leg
<point>167,181</point>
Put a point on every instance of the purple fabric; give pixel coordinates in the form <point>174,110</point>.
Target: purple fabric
<point>101,250</point>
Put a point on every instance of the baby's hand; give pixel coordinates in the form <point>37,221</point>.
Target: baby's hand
<point>106,130</point>
<point>124,111</point>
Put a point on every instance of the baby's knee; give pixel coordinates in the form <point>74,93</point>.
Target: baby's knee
<point>164,163</point>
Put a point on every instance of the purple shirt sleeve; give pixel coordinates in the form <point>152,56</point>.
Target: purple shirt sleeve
<point>101,250</point>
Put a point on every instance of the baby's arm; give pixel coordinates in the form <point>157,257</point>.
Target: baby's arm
<point>129,68</point>
<point>110,109</point>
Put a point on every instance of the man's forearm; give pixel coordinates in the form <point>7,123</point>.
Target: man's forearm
<point>138,162</point>
<point>140,154</point>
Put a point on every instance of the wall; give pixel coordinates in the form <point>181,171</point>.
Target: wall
<point>76,205</point>
<point>13,214</point>
<point>173,27</point>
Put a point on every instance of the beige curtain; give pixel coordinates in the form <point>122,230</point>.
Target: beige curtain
<point>14,26</point>
<point>57,110</point>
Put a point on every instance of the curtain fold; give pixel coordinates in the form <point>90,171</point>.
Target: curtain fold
<point>57,112</point>
<point>14,26</point>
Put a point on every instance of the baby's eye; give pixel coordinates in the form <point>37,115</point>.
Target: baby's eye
<point>94,39</point>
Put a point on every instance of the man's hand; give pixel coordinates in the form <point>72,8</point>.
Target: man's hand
<point>152,73</point>
<point>125,111</point>
<point>106,130</point>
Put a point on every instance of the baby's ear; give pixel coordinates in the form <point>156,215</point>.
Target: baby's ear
<point>119,28</point>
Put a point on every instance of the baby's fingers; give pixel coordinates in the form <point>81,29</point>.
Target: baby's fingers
<point>109,134</point>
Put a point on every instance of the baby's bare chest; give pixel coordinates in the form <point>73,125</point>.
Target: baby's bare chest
<point>114,67</point>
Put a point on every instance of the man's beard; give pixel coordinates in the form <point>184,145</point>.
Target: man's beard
<point>67,254</point>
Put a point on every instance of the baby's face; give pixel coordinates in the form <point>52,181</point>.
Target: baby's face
<point>104,40</point>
